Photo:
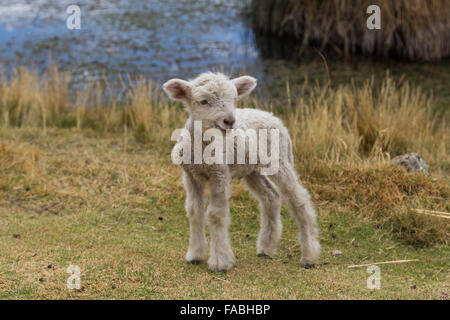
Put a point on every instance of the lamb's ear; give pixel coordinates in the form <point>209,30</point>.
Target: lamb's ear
<point>244,85</point>
<point>178,89</point>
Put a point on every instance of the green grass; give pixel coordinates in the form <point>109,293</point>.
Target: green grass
<point>115,208</point>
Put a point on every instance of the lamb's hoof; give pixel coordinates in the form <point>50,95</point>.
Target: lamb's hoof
<point>307,265</point>
<point>221,265</point>
<point>194,257</point>
<point>222,269</point>
<point>263,255</point>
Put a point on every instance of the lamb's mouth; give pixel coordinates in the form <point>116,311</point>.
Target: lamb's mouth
<point>219,127</point>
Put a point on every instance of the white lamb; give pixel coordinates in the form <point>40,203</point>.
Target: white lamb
<point>210,98</point>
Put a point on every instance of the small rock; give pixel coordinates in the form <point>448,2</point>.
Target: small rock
<point>413,162</point>
<point>336,252</point>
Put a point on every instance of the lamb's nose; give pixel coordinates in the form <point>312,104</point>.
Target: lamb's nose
<point>229,121</point>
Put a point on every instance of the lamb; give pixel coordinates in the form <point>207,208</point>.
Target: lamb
<point>210,99</point>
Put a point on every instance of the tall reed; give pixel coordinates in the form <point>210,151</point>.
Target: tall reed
<point>347,124</point>
<point>417,30</point>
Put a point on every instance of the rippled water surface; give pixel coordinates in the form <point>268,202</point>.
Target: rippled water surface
<point>179,38</point>
<point>160,39</point>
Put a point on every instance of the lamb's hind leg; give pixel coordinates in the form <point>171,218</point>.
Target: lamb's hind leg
<point>195,210</point>
<point>301,208</point>
<point>270,204</point>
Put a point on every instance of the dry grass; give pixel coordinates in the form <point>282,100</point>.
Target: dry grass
<point>386,194</point>
<point>345,124</point>
<point>352,124</point>
<point>16,160</point>
<point>28,99</point>
<point>31,100</point>
<point>410,29</point>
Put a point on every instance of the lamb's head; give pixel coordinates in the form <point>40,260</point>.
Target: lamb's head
<point>211,97</point>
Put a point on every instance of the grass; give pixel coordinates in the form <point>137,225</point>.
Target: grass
<point>417,30</point>
<point>86,179</point>
<point>75,198</point>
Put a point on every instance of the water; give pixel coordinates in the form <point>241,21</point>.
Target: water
<point>159,39</point>
<point>179,38</point>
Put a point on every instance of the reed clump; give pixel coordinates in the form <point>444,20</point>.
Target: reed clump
<point>417,30</point>
<point>386,194</point>
<point>27,99</point>
<point>347,124</point>
<point>17,162</point>
<point>134,106</point>
<point>355,123</point>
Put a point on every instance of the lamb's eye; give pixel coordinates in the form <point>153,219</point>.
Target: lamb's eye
<point>204,102</point>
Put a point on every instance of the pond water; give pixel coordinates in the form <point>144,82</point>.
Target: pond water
<point>177,38</point>
<point>160,39</point>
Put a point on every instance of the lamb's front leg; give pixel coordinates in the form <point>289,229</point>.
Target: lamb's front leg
<point>195,210</point>
<point>218,215</point>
